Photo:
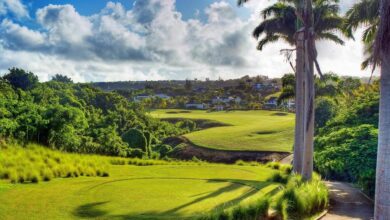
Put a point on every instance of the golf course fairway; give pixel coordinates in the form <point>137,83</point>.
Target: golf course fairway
<point>245,131</point>
<point>138,192</point>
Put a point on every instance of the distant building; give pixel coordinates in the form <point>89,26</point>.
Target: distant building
<point>272,102</point>
<point>192,105</point>
<point>141,97</point>
<point>226,100</point>
<point>258,86</point>
<point>162,96</point>
<point>290,104</point>
<point>219,107</point>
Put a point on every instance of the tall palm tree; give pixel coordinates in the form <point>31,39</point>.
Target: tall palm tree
<point>364,13</point>
<point>282,21</point>
<point>382,53</point>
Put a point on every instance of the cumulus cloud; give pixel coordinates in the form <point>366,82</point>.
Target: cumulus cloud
<point>149,41</point>
<point>15,7</point>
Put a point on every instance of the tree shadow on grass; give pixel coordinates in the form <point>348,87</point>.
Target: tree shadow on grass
<point>90,210</point>
<point>234,184</point>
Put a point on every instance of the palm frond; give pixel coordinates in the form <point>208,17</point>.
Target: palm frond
<point>329,36</point>
<point>267,39</point>
<point>241,2</point>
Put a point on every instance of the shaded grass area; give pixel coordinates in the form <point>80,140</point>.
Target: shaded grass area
<point>139,192</point>
<point>248,130</point>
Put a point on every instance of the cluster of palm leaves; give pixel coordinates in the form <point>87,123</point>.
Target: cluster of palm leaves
<point>280,22</point>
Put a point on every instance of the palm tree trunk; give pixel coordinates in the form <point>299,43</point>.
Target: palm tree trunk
<point>382,190</point>
<point>307,167</point>
<point>299,102</point>
<point>382,52</point>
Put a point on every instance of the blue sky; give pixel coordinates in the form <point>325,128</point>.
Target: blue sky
<point>101,40</point>
<point>87,7</point>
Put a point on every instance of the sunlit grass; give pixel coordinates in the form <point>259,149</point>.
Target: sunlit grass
<point>33,163</point>
<point>248,130</point>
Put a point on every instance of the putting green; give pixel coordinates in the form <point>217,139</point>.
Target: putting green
<point>248,130</point>
<point>164,192</point>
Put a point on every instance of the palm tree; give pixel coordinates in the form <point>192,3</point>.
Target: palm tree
<point>382,54</point>
<point>282,21</point>
<point>364,13</point>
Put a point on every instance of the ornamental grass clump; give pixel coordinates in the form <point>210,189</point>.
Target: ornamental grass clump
<point>301,199</point>
<point>34,163</point>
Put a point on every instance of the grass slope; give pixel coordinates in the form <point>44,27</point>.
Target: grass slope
<point>138,192</point>
<point>249,130</point>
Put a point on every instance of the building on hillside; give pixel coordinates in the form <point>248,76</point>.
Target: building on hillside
<point>162,96</point>
<point>141,97</point>
<point>258,86</point>
<point>226,100</point>
<point>290,104</point>
<point>193,105</point>
<point>272,102</point>
<point>219,107</point>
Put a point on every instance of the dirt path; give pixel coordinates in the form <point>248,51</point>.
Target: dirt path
<point>347,203</point>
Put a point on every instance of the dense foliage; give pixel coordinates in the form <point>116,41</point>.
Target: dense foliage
<point>346,145</point>
<point>73,117</point>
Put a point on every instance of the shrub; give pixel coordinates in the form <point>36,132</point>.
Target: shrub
<point>273,165</point>
<point>135,139</point>
<point>136,153</point>
<point>163,149</point>
<point>240,163</point>
<point>278,177</point>
<point>187,124</point>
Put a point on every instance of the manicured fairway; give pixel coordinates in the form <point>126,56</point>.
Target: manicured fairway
<point>166,191</point>
<point>248,130</point>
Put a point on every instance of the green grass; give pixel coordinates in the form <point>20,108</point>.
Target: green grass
<point>165,191</point>
<point>35,163</point>
<point>248,130</point>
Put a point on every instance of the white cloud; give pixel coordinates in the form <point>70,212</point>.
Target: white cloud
<point>15,7</point>
<point>152,41</point>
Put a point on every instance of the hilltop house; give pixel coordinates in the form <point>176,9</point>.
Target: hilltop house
<point>226,100</point>
<point>290,104</point>
<point>194,105</point>
<point>141,97</point>
<point>272,102</point>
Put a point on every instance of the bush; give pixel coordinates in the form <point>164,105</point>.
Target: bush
<point>273,165</point>
<point>163,149</point>
<point>278,177</point>
<point>186,124</point>
<point>136,153</point>
<point>135,139</point>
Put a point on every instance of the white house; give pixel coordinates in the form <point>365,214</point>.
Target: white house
<point>290,103</point>
<point>226,100</point>
<point>141,97</point>
<point>192,105</point>
<point>272,102</point>
<point>162,96</point>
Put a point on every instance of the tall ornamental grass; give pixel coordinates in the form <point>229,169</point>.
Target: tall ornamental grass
<point>299,199</point>
<point>33,163</point>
